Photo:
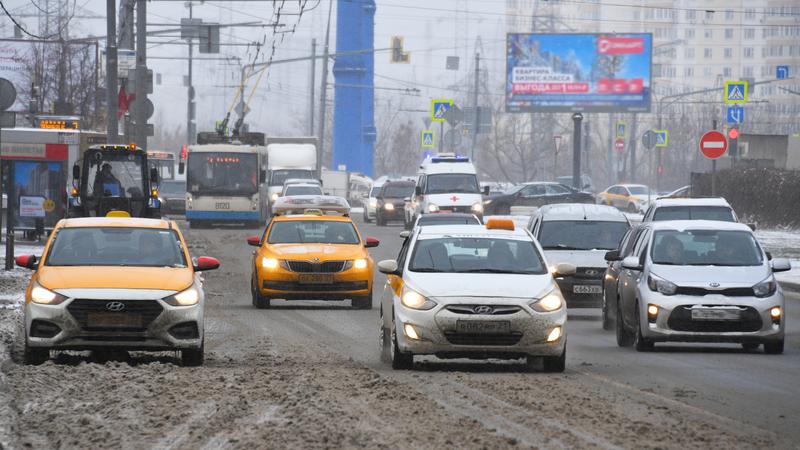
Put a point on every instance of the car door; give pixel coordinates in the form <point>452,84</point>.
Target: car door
<point>624,198</point>
<point>557,193</point>
<point>531,195</point>
<point>629,279</point>
<point>608,196</point>
<point>614,267</point>
<point>393,285</point>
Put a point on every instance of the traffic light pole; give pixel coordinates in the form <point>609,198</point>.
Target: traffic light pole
<point>112,87</point>
<point>577,119</point>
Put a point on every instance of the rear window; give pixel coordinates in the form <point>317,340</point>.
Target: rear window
<point>446,219</point>
<point>303,190</point>
<point>115,246</point>
<point>721,213</point>
<point>581,234</point>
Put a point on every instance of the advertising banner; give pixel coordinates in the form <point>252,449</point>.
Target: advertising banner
<point>578,72</point>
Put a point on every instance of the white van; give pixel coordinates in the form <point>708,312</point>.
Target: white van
<point>447,183</point>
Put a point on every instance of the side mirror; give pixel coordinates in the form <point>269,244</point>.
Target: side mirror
<point>154,175</point>
<point>612,255</point>
<point>565,270</point>
<point>781,265</point>
<point>27,261</point>
<point>181,167</point>
<point>632,263</point>
<point>327,193</point>
<point>371,242</point>
<point>417,190</point>
<point>405,234</point>
<point>407,200</point>
<point>255,241</point>
<point>206,263</point>
<point>486,190</point>
<point>769,256</point>
<point>752,226</point>
<point>388,266</point>
<point>76,172</point>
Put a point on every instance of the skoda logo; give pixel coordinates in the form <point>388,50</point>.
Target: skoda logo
<point>714,285</point>
<point>483,309</point>
<point>115,306</point>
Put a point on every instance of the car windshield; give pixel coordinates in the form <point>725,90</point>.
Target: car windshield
<point>705,248</point>
<point>398,191</point>
<point>581,234</point>
<point>116,246</point>
<point>313,231</point>
<point>222,173</point>
<point>278,177</point>
<point>514,189</point>
<point>638,190</point>
<point>374,191</point>
<point>303,190</point>
<point>446,219</point>
<point>721,213</point>
<point>172,187</point>
<point>476,255</point>
<point>113,174</point>
<point>447,183</point>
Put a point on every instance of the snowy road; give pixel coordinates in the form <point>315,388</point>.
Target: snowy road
<point>308,375</point>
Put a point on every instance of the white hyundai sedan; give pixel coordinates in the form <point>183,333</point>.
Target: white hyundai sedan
<point>472,291</point>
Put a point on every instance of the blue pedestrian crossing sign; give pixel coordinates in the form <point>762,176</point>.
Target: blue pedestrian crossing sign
<point>736,92</point>
<point>621,129</point>
<point>439,108</point>
<point>662,138</point>
<point>735,115</point>
<point>782,72</point>
<point>428,139</point>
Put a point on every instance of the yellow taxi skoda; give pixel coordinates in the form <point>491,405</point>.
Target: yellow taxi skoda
<point>469,291</point>
<point>119,283</point>
<point>311,250</point>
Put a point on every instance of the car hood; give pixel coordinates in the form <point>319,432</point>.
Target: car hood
<point>448,199</point>
<point>580,258</point>
<point>480,285</point>
<point>115,277</point>
<point>702,276</point>
<point>325,252</point>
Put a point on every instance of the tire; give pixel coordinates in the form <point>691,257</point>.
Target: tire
<point>193,357</point>
<point>400,361</point>
<point>35,356</point>
<point>641,343</point>
<point>608,321</point>
<point>555,364</point>
<point>632,208</point>
<point>259,301</point>
<point>750,346</point>
<point>363,301</point>
<point>380,221</point>
<point>624,338</point>
<point>773,348</point>
<point>383,341</point>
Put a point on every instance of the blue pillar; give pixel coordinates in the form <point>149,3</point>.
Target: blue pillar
<point>353,124</point>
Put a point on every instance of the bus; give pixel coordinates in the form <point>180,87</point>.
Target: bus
<point>164,162</point>
<point>225,183</point>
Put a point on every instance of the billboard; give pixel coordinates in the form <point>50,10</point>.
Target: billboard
<point>578,72</point>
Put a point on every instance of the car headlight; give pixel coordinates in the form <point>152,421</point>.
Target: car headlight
<point>432,207</point>
<point>553,301</point>
<point>275,196</point>
<point>477,208</point>
<point>44,296</point>
<point>660,285</point>
<point>270,263</point>
<point>360,263</point>
<point>186,297</point>
<point>414,300</point>
<point>765,288</point>
<point>373,203</point>
<point>388,207</point>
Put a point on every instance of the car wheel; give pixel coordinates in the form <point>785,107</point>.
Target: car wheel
<point>624,338</point>
<point>259,301</point>
<point>608,322</point>
<point>641,343</point>
<point>193,357</point>
<point>750,346</point>
<point>400,361</point>
<point>379,220</point>
<point>35,356</point>
<point>555,363</point>
<point>365,216</point>
<point>773,348</point>
<point>383,341</point>
<point>632,208</point>
<point>363,301</point>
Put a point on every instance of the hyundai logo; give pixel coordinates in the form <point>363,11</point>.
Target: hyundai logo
<point>115,306</point>
<point>483,309</point>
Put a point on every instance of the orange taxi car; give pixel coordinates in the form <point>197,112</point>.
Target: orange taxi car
<point>115,282</point>
<point>306,253</point>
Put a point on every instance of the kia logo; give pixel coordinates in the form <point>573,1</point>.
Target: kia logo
<point>115,306</point>
<point>483,309</point>
<point>592,273</point>
<point>714,285</point>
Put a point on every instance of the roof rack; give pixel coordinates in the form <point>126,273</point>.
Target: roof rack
<point>310,204</point>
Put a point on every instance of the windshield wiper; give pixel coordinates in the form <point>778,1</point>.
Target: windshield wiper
<point>487,270</point>
<point>426,269</point>
<point>561,247</point>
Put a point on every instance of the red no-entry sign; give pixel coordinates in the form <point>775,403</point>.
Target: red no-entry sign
<point>619,145</point>
<point>713,144</point>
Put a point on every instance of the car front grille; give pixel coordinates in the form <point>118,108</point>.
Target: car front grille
<point>730,292</point>
<point>300,287</point>
<point>316,267</point>
<point>135,315</point>
<point>493,310</point>
<point>483,339</point>
<point>589,273</point>
<point>456,209</point>
<point>681,320</point>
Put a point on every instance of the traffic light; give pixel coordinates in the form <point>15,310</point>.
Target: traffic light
<point>733,133</point>
<point>399,56</point>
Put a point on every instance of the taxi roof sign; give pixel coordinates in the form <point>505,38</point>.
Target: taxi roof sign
<point>500,224</point>
<point>119,214</point>
<point>310,205</point>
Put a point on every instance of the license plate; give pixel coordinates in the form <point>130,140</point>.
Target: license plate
<point>483,327</point>
<point>222,205</point>
<point>716,314</point>
<point>316,278</point>
<point>587,289</point>
<point>122,320</point>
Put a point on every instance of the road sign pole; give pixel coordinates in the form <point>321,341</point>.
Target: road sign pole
<point>10,215</point>
<point>441,137</point>
<point>577,118</point>
<point>714,166</point>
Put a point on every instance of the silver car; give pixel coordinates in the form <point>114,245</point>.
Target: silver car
<point>700,281</point>
<point>469,291</point>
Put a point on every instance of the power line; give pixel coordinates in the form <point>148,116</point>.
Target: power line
<point>19,25</point>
